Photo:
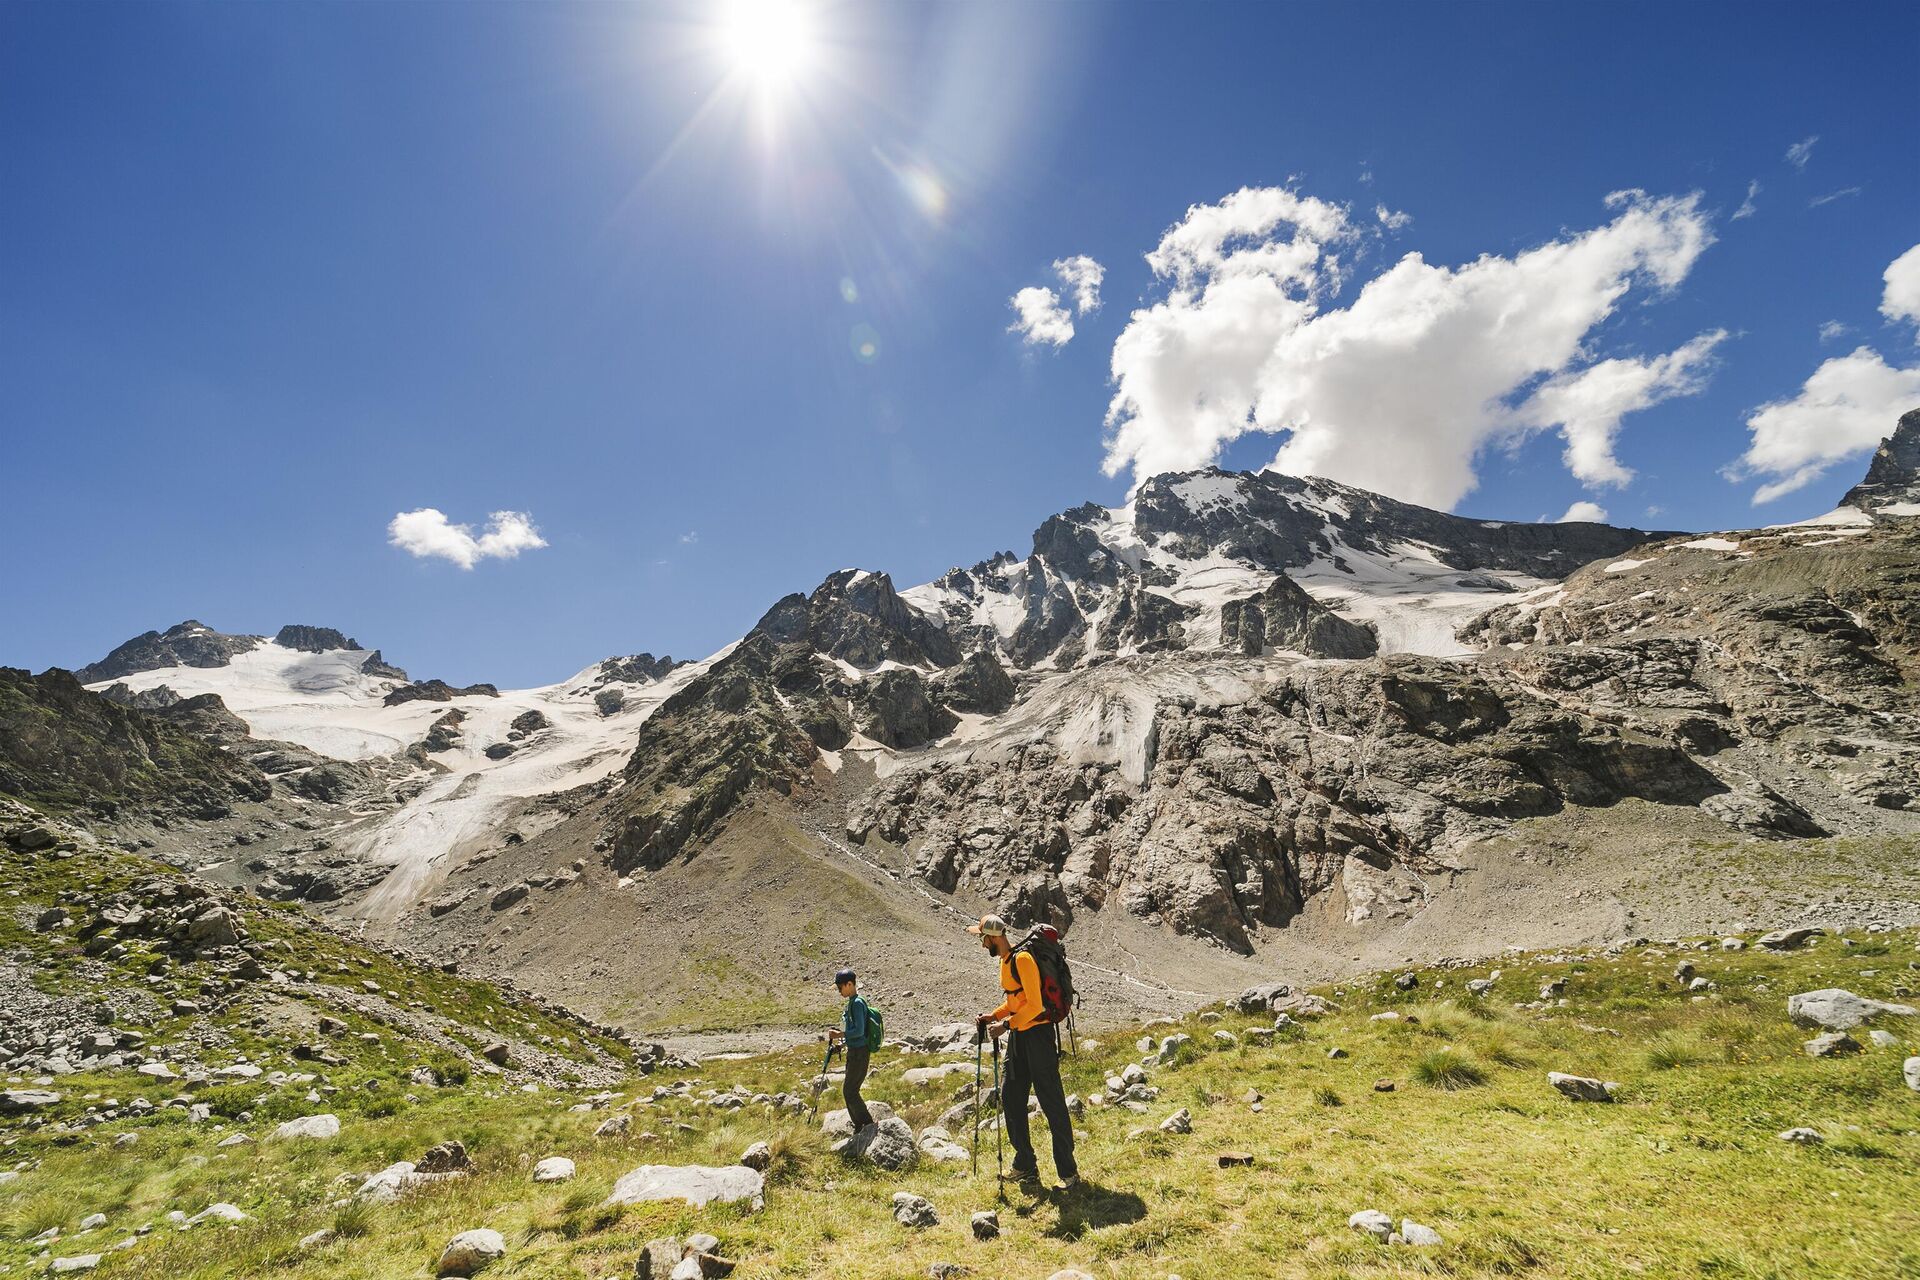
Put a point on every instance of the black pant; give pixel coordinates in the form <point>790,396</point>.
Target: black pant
<point>857,1058</point>
<point>1033,1061</point>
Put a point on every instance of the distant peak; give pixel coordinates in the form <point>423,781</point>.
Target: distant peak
<point>1894,473</point>
<point>313,639</point>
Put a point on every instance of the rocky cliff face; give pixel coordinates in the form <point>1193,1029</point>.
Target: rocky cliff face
<point>1893,477</point>
<point>72,750</point>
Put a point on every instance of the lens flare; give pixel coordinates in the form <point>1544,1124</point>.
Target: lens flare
<point>865,343</point>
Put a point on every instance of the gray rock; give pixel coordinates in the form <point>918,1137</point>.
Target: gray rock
<point>985,1225</point>
<point>658,1257</point>
<point>321,1127</point>
<point>1911,1071</point>
<point>1839,1010</point>
<point>758,1156</point>
<point>18,1101</point>
<point>471,1252</point>
<point>1883,1039</point>
<point>1788,939</point>
<point>1832,1045</point>
<point>837,1124</point>
<point>74,1262</point>
<point>1413,1233</point>
<point>1372,1222</point>
<point>1582,1088</point>
<point>553,1169</point>
<point>697,1185</point>
<point>910,1210</point>
<point>887,1144</point>
<point>615,1126</point>
<point>1804,1136</point>
<point>1180,1121</point>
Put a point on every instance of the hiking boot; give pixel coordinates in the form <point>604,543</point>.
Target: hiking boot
<point>1070,1182</point>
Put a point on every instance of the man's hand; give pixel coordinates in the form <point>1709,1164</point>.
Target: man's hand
<point>997,1029</point>
<point>834,1034</point>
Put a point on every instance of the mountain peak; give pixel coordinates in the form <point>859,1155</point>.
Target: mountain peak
<point>1894,474</point>
<point>313,639</point>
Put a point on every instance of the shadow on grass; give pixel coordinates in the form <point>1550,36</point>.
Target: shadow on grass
<point>1090,1206</point>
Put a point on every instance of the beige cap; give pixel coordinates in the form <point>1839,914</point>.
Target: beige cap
<point>991,926</point>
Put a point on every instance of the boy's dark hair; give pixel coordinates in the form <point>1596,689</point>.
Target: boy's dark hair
<point>843,977</point>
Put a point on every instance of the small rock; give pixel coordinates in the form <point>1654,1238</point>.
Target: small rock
<point>497,1053</point>
<point>1787,939</point>
<point>221,1212</point>
<point>1383,1086</point>
<point>471,1252</point>
<point>77,1262</point>
<point>1832,1045</point>
<point>1883,1039</point>
<point>553,1169</point>
<point>1336,1052</point>
<point>324,1236</point>
<point>1180,1121</point>
<point>1414,1234</point>
<point>1804,1136</point>
<point>1911,1070</point>
<point>1231,1159</point>
<point>93,1220</point>
<point>758,1156</point>
<point>321,1127</point>
<point>698,1185</point>
<point>658,1258</point>
<point>910,1210</point>
<point>1582,1088</point>
<point>614,1126</point>
<point>1372,1222</point>
<point>986,1223</point>
<point>446,1157</point>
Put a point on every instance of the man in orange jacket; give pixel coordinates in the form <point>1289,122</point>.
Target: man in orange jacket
<point>1033,1058</point>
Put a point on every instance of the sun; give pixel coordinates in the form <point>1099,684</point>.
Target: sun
<point>769,45</point>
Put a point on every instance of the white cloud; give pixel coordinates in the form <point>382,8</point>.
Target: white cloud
<point>1039,317</point>
<point>1832,330</point>
<point>1800,152</point>
<point>1402,389</point>
<point>1591,512</point>
<point>1901,301</point>
<point>1831,196</point>
<point>428,533</point>
<point>1587,404</point>
<point>1845,409</point>
<point>1747,208</point>
<point>690,537</point>
<point>1390,219</point>
<point>1082,275</point>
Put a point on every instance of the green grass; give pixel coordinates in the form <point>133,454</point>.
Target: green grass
<point>1440,1069</point>
<point>1682,1177</point>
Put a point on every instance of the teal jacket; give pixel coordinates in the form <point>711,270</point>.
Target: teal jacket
<point>854,1022</point>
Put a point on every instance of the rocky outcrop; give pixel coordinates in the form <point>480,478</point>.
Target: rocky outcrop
<point>154,699</point>
<point>638,668</point>
<point>437,691</point>
<point>70,749</point>
<point>1244,811</point>
<point>312,639</point>
<point>1893,477</point>
<point>185,644</point>
<point>1285,617</point>
<point>380,669</point>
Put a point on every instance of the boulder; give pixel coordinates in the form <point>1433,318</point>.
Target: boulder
<point>1787,939</point>
<point>553,1169</point>
<point>321,1127</point>
<point>934,1075</point>
<point>837,1124</point>
<point>1839,1010</point>
<point>1582,1088</point>
<point>74,1262</point>
<point>1261,999</point>
<point>1414,1234</point>
<point>758,1156</point>
<point>697,1185</point>
<point>910,1210</point>
<point>615,1126</point>
<point>221,1212</point>
<point>471,1252</point>
<point>19,1101</point>
<point>888,1144</point>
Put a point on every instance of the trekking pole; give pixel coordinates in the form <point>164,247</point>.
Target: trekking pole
<point>1000,1123</point>
<point>821,1082</point>
<point>979,1033</point>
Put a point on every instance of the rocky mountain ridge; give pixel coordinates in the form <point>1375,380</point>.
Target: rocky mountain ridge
<point>1244,710</point>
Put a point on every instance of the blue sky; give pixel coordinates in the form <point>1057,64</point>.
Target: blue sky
<point>275,273</point>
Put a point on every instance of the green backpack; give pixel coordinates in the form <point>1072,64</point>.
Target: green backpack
<point>876,1030</point>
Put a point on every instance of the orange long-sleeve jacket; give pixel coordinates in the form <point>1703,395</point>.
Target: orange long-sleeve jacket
<point>1020,979</point>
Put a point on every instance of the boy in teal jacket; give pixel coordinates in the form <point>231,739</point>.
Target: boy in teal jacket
<point>853,1030</point>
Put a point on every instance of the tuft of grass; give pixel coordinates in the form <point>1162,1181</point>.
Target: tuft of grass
<point>1326,1096</point>
<point>1500,1048</point>
<point>354,1218</point>
<point>1441,1069</point>
<point>1669,1052</point>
